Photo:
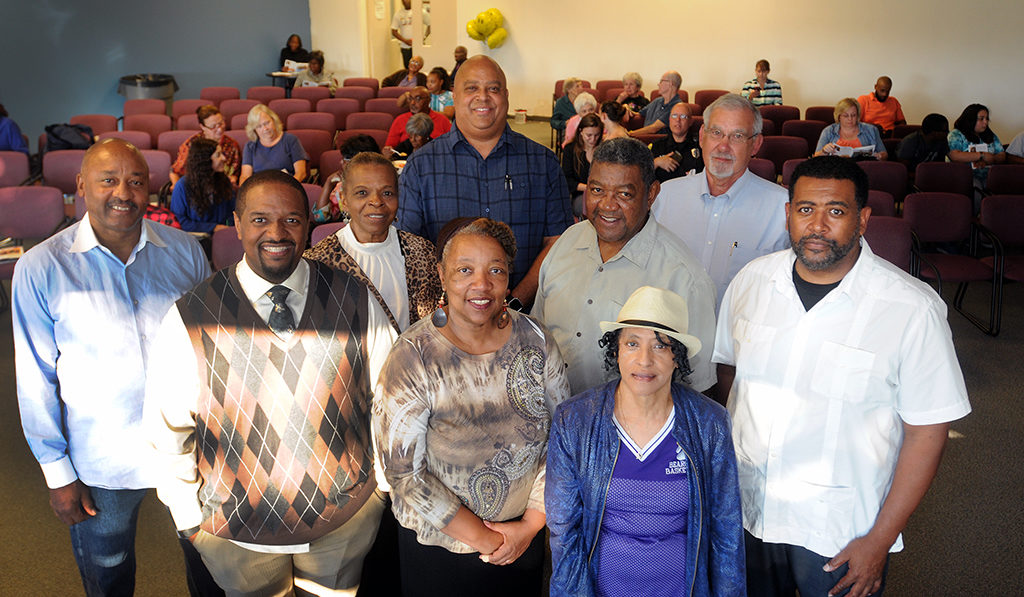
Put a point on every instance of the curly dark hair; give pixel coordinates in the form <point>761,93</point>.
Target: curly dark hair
<point>204,187</point>
<point>965,124</point>
<point>610,343</point>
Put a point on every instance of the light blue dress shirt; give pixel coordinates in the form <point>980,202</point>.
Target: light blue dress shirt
<point>728,231</point>
<point>83,324</point>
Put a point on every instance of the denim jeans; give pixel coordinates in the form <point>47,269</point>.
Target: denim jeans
<point>779,570</point>
<point>104,544</point>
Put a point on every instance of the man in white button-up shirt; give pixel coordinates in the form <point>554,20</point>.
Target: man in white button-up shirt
<point>843,382</point>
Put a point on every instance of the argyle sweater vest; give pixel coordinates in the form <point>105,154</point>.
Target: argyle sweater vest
<point>282,435</point>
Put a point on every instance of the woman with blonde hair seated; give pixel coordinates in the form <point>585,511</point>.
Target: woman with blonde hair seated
<point>849,131</point>
<point>270,148</point>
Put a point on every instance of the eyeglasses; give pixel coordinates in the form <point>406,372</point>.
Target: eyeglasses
<point>214,126</point>
<point>735,138</point>
<point>680,117</point>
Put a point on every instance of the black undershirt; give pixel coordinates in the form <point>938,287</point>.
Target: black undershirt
<point>809,292</point>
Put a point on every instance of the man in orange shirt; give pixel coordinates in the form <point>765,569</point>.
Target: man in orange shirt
<point>880,109</point>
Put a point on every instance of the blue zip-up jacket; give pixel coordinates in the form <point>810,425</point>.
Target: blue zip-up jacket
<point>582,450</point>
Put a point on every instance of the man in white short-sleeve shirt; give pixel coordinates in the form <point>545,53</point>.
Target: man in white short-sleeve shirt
<point>843,382</point>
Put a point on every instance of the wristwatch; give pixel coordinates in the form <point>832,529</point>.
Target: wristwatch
<point>515,304</point>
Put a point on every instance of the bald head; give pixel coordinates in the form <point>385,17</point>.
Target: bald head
<point>114,182</point>
<point>882,88</point>
<point>115,147</point>
<point>481,101</point>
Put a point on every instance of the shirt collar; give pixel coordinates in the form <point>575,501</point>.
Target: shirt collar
<point>255,287</point>
<point>85,237</point>
<point>637,249</point>
<point>455,137</point>
<point>850,285</point>
<point>736,188</point>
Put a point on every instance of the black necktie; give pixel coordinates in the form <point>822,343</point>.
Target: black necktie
<point>281,319</point>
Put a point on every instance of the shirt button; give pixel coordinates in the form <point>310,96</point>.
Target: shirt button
<point>487,210</point>
<point>136,303</point>
<point>590,301</point>
<point>600,269</point>
<point>579,335</point>
<point>709,242</point>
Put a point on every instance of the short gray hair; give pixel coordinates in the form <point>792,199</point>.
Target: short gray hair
<point>733,101</point>
<point>626,151</point>
<point>569,83</point>
<point>420,125</point>
<point>583,99</point>
<point>634,77</point>
<point>674,78</point>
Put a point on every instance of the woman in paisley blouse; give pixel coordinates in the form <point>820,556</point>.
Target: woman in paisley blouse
<point>398,267</point>
<point>461,418</point>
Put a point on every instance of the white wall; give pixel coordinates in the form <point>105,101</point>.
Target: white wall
<point>941,54</point>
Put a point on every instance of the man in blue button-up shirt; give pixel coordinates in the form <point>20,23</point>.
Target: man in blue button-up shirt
<point>482,168</point>
<point>86,305</point>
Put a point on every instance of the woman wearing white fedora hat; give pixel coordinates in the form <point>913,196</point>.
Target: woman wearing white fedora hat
<point>641,475</point>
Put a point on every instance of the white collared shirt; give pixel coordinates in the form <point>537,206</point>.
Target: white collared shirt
<point>821,395</point>
<point>256,289</point>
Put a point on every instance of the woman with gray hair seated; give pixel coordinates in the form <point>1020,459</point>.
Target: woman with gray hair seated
<point>632,96</point>
<point>585,103</point>
<point>419,128</point>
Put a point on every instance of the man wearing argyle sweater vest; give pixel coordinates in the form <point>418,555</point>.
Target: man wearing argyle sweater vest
<point>260,405</point>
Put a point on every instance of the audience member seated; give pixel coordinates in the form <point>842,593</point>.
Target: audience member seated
<point>438,84</point>
<point>761,90</point>
<point>613,115</point>
<point>678,154</point>
<point>460,420</point>
<point>327,208</point>
<point>1015,150</point>
<point>657,112</point>
<point>564,108</point>
<point>270,148</point>
<point>577,156</point>
<point>880,108</point>
<point>407,77</point>
<point>10,134</point>
<point>632,96</point>
<point>399,267</point>
<point>849,131</point>
<point>212,127</point>
<point>315,75</point>
<point>204,198</point>
<point>971,140</point>
<point>419,103</point>
<point>928,144</point>
<point>418,129</point>
<point>293,51</point>
<point>584,104</point>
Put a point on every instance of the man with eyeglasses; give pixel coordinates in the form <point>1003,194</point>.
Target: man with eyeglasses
<point>678,154</point>
<point>656,114</point>
<point>212,127</point>
<point>728,215</point>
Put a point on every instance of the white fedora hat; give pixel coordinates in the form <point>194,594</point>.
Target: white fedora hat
<point>656,309</point>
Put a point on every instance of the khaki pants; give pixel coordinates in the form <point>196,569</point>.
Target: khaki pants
<point>331,567</point>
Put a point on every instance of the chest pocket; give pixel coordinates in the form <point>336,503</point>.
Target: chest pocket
<point>752,346</point>
<point>842,372</point>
